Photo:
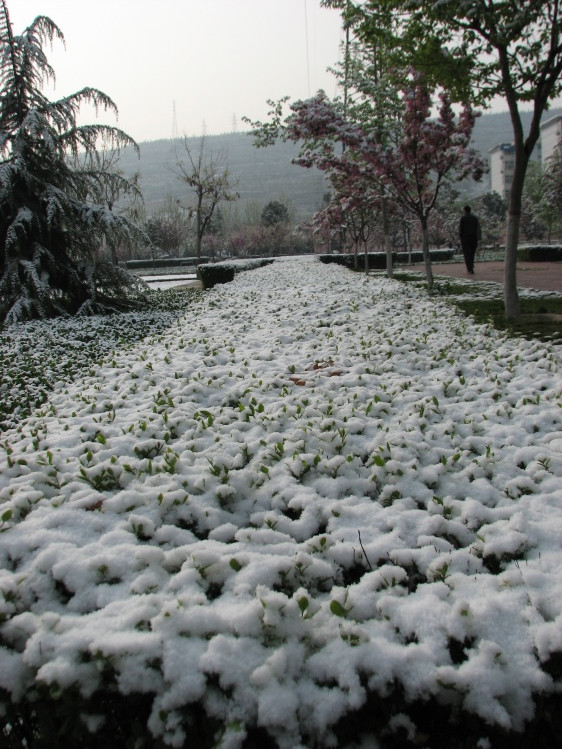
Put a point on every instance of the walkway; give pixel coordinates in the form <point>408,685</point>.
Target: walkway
<point>542,276</point>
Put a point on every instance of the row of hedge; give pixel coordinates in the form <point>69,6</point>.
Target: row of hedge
<point>540,252</point>
<point>224,271</point>
<point>211,274</point>
<point>377,260</point>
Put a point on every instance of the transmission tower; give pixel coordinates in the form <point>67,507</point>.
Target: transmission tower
<point>175,131</point>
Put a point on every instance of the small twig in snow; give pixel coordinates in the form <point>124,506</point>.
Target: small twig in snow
<point>363,550</point>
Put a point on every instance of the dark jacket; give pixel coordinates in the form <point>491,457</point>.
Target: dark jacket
<point>469,227</point>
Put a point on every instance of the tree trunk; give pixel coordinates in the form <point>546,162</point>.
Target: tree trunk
<point>426,257</point>
<point>523,149</point>
<point>388,250</point>
<point>387,242</point>
<point>199,234</point>
<point>510,294</point>
<point>407,242</point>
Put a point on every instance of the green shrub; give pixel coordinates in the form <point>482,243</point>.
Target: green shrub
<point>377,260</point>
<point>540,252</point>
<point>211,274</point>
<point>214,273</point>
<point>67,719</point>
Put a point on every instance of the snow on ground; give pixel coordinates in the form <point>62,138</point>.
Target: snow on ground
<point>313,486</point>
<point>155,282</point>
<point>37,355</point>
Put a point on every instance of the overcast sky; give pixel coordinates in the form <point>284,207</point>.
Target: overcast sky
<point>218,60</point>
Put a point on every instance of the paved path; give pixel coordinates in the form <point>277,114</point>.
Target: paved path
<point>543,276</point>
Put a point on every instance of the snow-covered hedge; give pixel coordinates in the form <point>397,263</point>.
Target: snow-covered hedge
<point>320,510</point>
<point>211,274</point>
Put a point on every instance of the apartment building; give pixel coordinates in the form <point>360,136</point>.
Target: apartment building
<point>502,163</point>
<point>551,136</point>
<point>502,156</point>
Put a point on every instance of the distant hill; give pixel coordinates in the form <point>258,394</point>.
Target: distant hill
<point>262,174</point>
<point>492,129</point>
<point>265,174</point>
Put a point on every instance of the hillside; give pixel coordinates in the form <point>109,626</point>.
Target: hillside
<point>261,174</point>
<point>266,174</point>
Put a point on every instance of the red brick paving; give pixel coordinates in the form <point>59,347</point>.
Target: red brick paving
<point>542,276</point>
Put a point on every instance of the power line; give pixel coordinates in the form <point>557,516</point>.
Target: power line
<point>306,39</point>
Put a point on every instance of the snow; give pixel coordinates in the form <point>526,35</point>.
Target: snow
<point>170,282</point>
<point>310,486</point>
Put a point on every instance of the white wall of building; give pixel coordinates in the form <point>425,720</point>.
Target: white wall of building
<point>551,136</point>
<point>502,156</point>
<point>502,162</point>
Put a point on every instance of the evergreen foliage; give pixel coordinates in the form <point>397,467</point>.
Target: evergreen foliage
<point>52,222</point>
<point>274,213</point>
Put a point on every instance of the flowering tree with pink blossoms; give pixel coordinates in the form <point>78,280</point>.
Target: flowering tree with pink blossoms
<point>355,202</point>
<point>346,221</point>
<point>483,51</point>
<point>411,166</point>
<point>428,154</point>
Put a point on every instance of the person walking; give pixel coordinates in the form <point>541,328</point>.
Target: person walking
<point>470,234</point>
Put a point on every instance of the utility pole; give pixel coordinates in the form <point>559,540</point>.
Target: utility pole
<point>175,133</point>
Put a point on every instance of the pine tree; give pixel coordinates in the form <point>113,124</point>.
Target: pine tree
<point>51,221</point>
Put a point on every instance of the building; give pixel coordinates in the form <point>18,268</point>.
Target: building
<point>502,156</point>
<point>502,164</point>
<point>551,137</point>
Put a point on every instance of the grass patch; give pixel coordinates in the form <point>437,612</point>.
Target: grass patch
<point>457,288</point>
<point>541,314</point>
<point>405,276</point>
<point>541,317</point>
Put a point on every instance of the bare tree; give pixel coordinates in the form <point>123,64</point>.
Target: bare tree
<point>208,178</point>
